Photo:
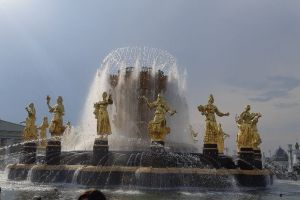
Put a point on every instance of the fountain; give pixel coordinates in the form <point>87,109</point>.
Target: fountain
<point>136,135</point>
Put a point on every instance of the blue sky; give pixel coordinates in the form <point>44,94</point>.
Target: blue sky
<point>244,52</point>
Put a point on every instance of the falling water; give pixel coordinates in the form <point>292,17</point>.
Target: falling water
<point>126,96</point>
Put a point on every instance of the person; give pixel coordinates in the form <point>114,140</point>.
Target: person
<point>92,195</point>
<point>101,114</point>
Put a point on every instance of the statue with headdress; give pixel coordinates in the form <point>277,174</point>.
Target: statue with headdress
<point>211,128</point>
<point>221,139</point>
<point>158,126</point>
<point>56,127</point>
<point>43,131</point>
<point>101,114</point>
<point>246,123</point>
<point>30,130</point>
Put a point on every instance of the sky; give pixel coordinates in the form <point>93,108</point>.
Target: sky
<point>243,52</point>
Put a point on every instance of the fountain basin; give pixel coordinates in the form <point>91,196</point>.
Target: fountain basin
<point>144,177</point>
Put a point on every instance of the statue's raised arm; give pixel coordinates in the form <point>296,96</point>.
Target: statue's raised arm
<point>48,104</point>
<point>31,111</point>
<point>110,100</point>
<point>220,114</point>
<point>168,109</point>
<point>149,104</point>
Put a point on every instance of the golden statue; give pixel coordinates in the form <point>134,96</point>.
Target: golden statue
<point>101,114</point>
<point>221,138</point>
<point>245,124</point>
<point>158,126</point>
<point>57,127</point>
<point>211,129</point>
<point>30,130</point>
<point>43,132</point>
<point>256,136</point>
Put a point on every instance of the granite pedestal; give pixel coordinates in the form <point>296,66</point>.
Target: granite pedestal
<point>100,152</point>
<point>257,158</point>
<point>53,152</point>
<point>246,159</point>
<point>28,153</point>
<point>210,150</point>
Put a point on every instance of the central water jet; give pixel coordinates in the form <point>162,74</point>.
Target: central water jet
<point>129,73</point>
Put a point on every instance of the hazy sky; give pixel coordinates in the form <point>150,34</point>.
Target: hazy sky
<point>244,52</point>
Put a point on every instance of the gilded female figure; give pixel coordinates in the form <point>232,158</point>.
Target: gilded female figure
<point>30,130</point>
<point>211,127</point>
<point>58,111</point>
<point>43,131</point>
<point>101,114</point>
<point>158,126</point>
<point>245,125</point>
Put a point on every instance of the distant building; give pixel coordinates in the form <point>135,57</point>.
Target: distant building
<point>296,157</point>
<point>10,133</point>
<point>280,158</point>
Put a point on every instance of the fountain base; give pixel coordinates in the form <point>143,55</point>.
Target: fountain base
<point>145,177</point>
<point>148,169</point>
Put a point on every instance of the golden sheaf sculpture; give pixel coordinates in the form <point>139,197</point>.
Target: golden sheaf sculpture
<point>30,130</point>
<point>248,136</point>
<point>256,136</point>
<point>221,139</point>
<point>101,114</point>
<point>158,126</point>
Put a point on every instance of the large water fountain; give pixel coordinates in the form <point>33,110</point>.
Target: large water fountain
<point>139,150</point>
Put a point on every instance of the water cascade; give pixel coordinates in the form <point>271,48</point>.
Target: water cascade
<point>129,73</point>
